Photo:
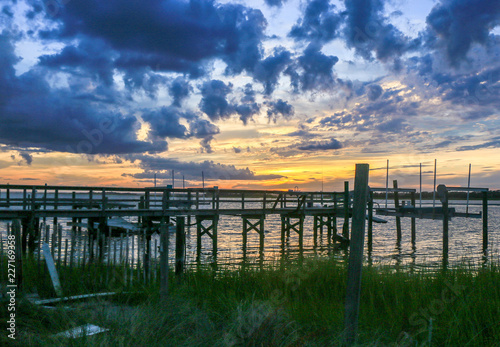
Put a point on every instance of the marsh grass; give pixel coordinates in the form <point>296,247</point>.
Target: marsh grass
<point>296,306</point>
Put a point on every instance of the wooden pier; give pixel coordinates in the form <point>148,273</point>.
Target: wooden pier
<point>101,209</point>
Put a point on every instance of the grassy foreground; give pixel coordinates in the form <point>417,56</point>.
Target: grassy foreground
<point>299,306</point>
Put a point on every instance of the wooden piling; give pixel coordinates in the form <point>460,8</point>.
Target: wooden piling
<point>485,220</point>
<point>443,194</point>
<point>16,231</point>
<point>163,260</point>
<point>345,228</point>
<point>353,290</point>
<point>370,219</point>
<point>413,221</point>
<point>396,206</point>
<point>180,246</point>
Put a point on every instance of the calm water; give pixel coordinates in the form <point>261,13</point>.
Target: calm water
<point>465,240</point>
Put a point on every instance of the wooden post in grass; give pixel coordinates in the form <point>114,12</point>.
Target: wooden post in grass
<point>16,231</point>
<point>180,246</point>
<point>485,221</point>
<point>345,228</point>
<point>443,194</point>
<point>163,260</point>
<point>396,206</point>
<point>353,290</point>
<point>370,220</point>
<point>52,270</point>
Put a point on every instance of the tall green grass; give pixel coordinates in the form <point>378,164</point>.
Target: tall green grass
<point>299,306</point>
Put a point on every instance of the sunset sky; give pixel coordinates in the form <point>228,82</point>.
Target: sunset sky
<point>272,94</point>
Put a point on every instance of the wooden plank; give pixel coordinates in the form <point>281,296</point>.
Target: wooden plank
<point>52,269</point>
<point>353,290</point>
<point>466,189</point>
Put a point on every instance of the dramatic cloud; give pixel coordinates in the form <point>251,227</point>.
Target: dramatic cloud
<point>279,108</point>
<point>204,130</point>
<point>494,143</point>
<point>460,23</point>
<point>27,157</point>
<point>268,70</point>
<point>167,33</point>
<point>374,92</point>
<point>165,122</point>
<point>320,23</point>
<point>192,170</point>
<point>33,114</point>
<point>248,107</point>
<point>315,70</point>
<point>214,102</point>
<point>320,145</point>
<point>367,31</point>
<point>179,89</point>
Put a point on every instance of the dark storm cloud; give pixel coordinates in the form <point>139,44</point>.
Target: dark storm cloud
<point>374,92</point>
<point>248,107</point>
<point>315,70</point>
<point>367,31</point>
<point>214,102</point>
<point>92,56</point>
<point>320,145</point>
<point>319,23</point>
<point>276,3</point>
<point>460,23</point>
<point>269,70</point>
<point>493,143</point>
<point>201,128</point>
<point>27,157</point>
<point>179,89</point>
<point>33,114</point>
<point>279,108</point>
<point>192,170</point>
<point>167,31</point>
<point>165,122</point>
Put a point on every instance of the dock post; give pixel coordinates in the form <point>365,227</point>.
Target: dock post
<point>73,207</point>
<point>16,231</point>
<point>485,221</point>
<point>370,219</point>
<point>396,205</point>
<point>180,246</point>
<point>413,224</point>
<point>245,237</point>
<point>56,203</point>
<point>315,227</point>
<point>261,233</point>
<point>353,290</point>
<point>283,230</point>
<point>345,228</point>
<point>443,194</point>
<point>163,260</point>
<point>335,213</point>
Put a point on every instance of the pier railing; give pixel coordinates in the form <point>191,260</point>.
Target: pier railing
<point>77,201</point>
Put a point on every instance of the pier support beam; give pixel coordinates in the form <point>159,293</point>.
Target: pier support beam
<point>210,230</point>
<point>288,225</point>
<point>258,226</point>
<point>321,221</point>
